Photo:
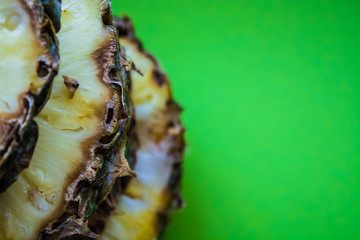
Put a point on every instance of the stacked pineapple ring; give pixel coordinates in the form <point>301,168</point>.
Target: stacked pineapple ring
<point>81,154</point>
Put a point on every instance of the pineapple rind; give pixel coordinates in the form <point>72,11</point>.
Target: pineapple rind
<point>141,209</point>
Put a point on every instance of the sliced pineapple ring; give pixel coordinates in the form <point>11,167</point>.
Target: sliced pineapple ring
<point>82,133</point>
<point>29,61</point>
<point>140,211</point>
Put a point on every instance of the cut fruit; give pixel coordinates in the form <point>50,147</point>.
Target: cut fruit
<point>28,64</point>
<point>140,209</point>
<point>82,133</point>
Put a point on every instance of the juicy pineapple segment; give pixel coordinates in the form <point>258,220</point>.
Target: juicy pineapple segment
<point>142,209</point>
<point>19,51</point>
<point>82,133</point>
<point>29,61</point>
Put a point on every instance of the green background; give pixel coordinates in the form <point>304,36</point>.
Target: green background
<point>271,92</point>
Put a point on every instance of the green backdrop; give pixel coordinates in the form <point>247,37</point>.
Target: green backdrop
<point>271,92</point>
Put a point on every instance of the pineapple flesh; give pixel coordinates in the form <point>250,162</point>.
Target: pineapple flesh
<point>82,133</point>
<point>28,64</point>
<point>140,210</point>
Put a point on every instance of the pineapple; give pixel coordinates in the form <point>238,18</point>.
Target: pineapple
<point>82,133</point>
<point>28,64</point>
<point>140,210</point>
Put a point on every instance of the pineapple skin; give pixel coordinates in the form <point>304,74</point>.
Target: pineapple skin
<point>151,203</point>
<point>18,130</point>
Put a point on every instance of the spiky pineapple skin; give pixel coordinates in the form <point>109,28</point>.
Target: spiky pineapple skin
<point>18,131</point>
<point>152,201</point>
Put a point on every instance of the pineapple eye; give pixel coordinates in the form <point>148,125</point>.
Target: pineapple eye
<point>9,19</point>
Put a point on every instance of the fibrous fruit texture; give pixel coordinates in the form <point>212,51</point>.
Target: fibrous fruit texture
<point>29,61</point>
